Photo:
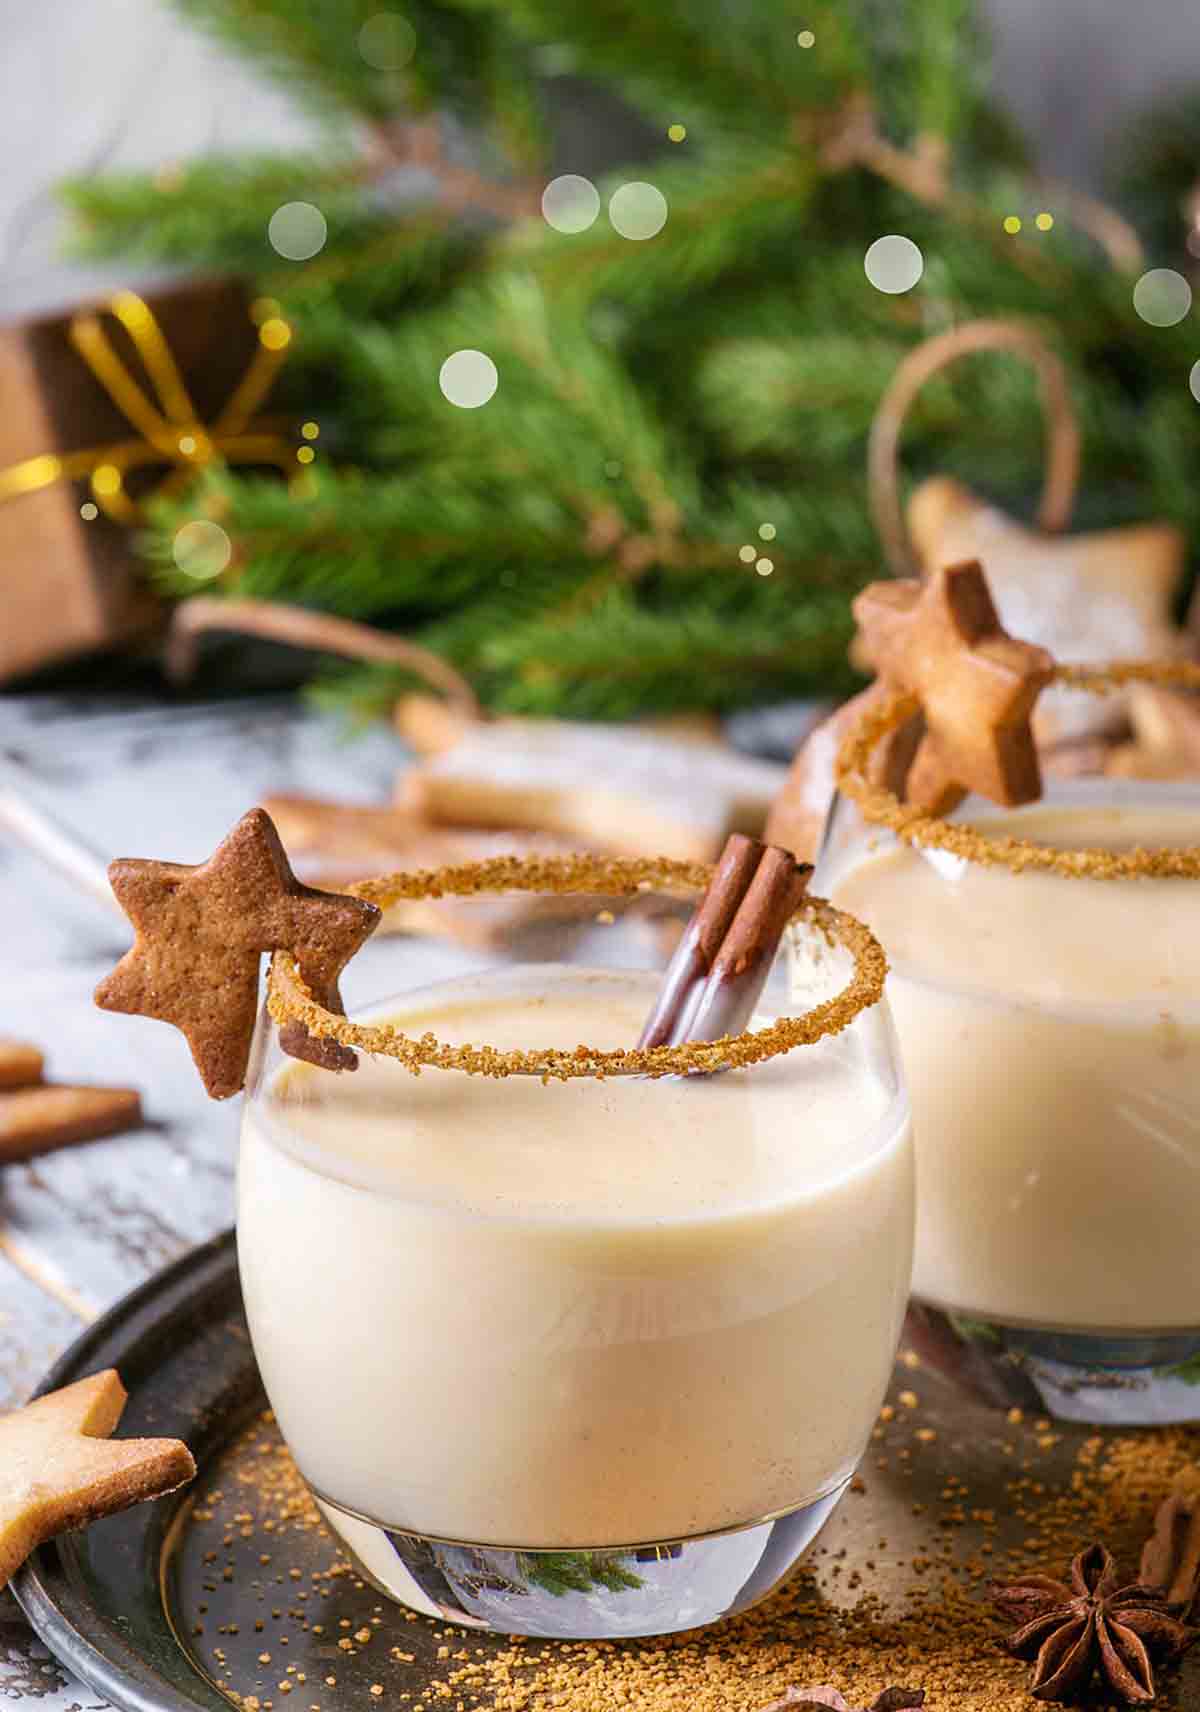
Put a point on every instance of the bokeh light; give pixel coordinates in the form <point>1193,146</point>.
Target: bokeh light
<point>805,39</point>
<point>638,210</point>
<point>747,554</point>
<point>1162,297</point>
<point>1012,224</point>
<point>1194,381</point>
<point>387,41</point>
<point>893,263</point>
<point>570,203</point>
<point>275,334</point>
<point>202,549</point>
<point>297,231</point>
<point>468,378</point>
<point>676,133</point>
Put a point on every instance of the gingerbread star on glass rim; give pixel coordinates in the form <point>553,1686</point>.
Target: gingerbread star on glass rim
<point>200,935</point>
<point>943,643</point>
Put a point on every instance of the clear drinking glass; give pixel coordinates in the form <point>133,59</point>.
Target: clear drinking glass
<point>1050,1033</point>
<point>592,1356</point>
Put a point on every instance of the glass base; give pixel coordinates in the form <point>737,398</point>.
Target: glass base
<point>1115,1378</point>
<point>619,1591</point>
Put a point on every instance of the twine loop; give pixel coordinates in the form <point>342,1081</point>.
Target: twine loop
<point>299,627</point>
<point>1062,427</point>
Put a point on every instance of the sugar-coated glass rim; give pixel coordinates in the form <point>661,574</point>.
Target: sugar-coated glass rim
<point>881,807</point>
<point>289,1000</point>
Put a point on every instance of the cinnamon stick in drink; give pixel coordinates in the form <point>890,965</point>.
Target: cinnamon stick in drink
<point>702,937</point>
<point>724,1002</point>
<point>720,966</point>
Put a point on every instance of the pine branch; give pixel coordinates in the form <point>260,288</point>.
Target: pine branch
<point>691,60</point>
<point>215,212</point>
<point>518,594</point>
<point>310,50</point>
<point>567,419</point>
<point>775,394</point>
<point>820,534</point>
<point>725,206</point>
<point>358,547</point>
<point>627,659</point>
<point>314,49</point>
<point>929,69</point>
<point>663,505</point>
<point>385,241</point>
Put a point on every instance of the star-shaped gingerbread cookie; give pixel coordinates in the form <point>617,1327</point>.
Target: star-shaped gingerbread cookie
<point>59,1469</point>
<point>200,935</point>
<point>977,685</point>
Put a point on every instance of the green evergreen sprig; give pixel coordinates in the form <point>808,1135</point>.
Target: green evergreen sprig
<point>670,413</point>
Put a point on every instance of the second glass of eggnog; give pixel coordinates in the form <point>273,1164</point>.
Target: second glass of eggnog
<point>581,1355</point>
<point>1050,1030</point>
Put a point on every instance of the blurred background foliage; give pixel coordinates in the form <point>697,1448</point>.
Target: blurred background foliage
<point>576,545</point>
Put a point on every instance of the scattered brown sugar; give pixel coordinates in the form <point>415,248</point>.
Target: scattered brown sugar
<point>894,1590</point>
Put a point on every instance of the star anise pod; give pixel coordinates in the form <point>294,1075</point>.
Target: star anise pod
<point>891,1700</point>
<point>1091,1625</point>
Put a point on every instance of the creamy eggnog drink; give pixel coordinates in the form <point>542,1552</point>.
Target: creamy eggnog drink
<point>575,1290</point>
<point>583,1313</point>
<point>1046,989</point>
<point>1050,1032</point>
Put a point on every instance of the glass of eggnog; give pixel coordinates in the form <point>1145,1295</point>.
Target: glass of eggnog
<point>1048,1009</point>
<point>567,1338</point>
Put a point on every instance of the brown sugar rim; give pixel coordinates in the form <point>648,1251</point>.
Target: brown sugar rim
<point>882,807</point>
<point>289,1000</point>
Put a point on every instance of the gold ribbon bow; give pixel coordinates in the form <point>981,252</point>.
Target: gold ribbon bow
<point>169,431</point>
